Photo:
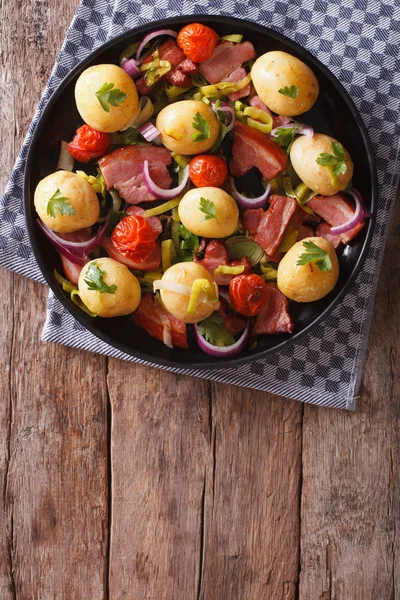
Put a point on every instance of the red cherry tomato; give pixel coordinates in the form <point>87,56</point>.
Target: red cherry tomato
<point>134,238</point>
<point>208,170</point>
<point>88,144</point>
<point>247,294</point>
<point>197,41</point>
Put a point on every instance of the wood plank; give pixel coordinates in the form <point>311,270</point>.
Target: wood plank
<point>251,545</point>
<point>351,510</point>
<point>159,451</point>
<point>53,421</point>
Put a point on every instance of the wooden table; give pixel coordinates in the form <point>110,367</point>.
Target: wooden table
<point>123,482</point>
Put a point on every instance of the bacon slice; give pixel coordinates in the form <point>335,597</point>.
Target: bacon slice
<point>146,317</point>
<point>216,254</point>
<point>123,168</point>
<point>272,223</point>
<point>256,102</point>
<point>274,316</point>
<point>251,148</point>
<point>234,77</point>
<point>324,230</point>
<point>226,58</point>
<point>336,210</point>
<point>154,222</point>
<point>234,323</point>
<point>178,75</point>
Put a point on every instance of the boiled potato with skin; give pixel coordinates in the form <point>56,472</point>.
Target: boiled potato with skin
<point>123,301</point>
<point>319,178</point>
<point>226,210</point>
<point>75,194</point>
<point>91,110</point>
<point>176,304</point>
<point>276,70</point>
<point>175,123</point>
<point>307,283</point>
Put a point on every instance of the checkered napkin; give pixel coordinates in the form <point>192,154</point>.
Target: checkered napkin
<point>359,41</point>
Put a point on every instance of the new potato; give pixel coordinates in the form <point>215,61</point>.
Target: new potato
<point>186,273</point>
<point>79,194</point>
<point>319,178</point>
<point>276,70</point>
<point>175,124</point>
<point>90,82</point>
<point>123,301</point>
<point>307,283</point>
<point>226,209</point>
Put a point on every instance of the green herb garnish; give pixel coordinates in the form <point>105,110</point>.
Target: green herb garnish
<point>215,332</point>
<point>315,254</point>
<point>190,241</point>
<point>95,280</point>
<point>290,92</point>
<point>337,160</point>
<point>284,136</point>
<point>59,203</point>
<point>106,95</point>
<point>208,208</point>
<point>202,126</point>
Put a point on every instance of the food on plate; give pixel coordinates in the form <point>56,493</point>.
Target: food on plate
<point>108,288</point>
<point>309,270</point>
<point>322,163</point>
<point>188,127</point>
<point>188,292</point>
<point>209,211</point>
<point>106,98</point>
<point>65,202</point>
<point>191,200</point>
<point>284,83</point>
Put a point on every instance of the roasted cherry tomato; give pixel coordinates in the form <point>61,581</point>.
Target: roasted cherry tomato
<point>208,170</point>
<point>88,144</point>
<point>247,294</point>
<point>197,41</point>
<point>134,237</point>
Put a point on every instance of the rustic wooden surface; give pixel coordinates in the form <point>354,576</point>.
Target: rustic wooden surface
<point>123,482</point>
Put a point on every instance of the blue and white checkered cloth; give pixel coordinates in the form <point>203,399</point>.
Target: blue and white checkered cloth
<point>359,40</point>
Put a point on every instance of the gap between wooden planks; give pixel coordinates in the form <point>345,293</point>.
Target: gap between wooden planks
<point>204,501</point>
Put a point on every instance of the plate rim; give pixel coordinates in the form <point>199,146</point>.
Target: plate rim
<point>233,362</point>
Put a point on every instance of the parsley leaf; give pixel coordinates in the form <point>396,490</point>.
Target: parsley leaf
<point>59,203</point>
<point>95,280</point>
<point>107,95</point>
<point>190,241</point>
<point>215,332</point>
<point>202,127</point>
<point>208,208</point>
<point>290,92</point>
<point>315,254</point>
<point>337,160</point>
<point>284,136</point>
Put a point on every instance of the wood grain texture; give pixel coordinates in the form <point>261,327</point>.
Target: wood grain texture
<point>351,508</point>
<point>251,517</point>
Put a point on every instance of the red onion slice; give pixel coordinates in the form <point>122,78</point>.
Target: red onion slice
<point>228,111</point>
<point>76,252</point>
<point>153,35</point>
<point>246,202</point>
<point>149,132</point>
<point>225,350</point>
<point>299,129</point>
<point>160,192</point>
<point>131,66</point>
<point>359,214</point>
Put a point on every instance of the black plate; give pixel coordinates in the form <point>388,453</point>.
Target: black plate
<point>334,113</point>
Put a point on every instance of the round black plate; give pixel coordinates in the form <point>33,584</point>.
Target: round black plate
<point>334,113</point>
